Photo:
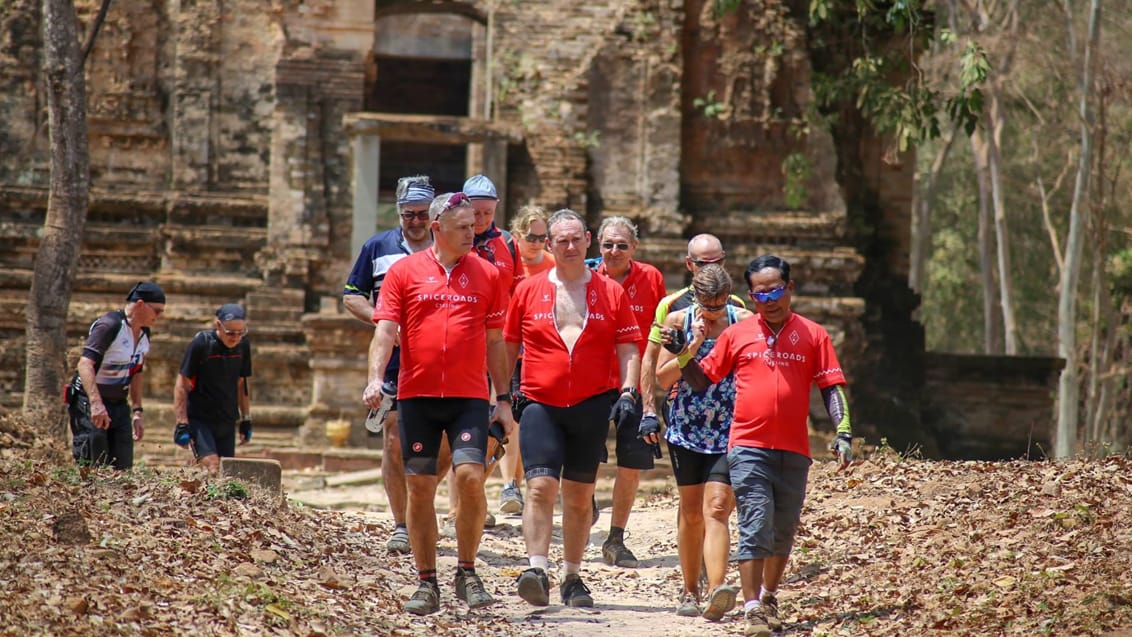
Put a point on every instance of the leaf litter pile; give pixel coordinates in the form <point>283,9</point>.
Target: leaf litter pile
<point>897,546</point>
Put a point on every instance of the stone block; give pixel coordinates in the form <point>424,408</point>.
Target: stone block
<point>257,471</point>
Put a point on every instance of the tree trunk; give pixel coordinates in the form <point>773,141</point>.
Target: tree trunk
<point>1068,389</point>
<point>986,261</point>
<point>996,122</point>
<point>925,196</point>
<point>57,259</point>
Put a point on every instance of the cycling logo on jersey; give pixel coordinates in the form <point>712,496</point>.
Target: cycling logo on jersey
<point>546,298</point>
<point>632,290</point>
<point>794,338</point>
<point>593,297</point>
<point>463,280</point>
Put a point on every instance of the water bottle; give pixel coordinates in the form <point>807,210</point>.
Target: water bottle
<point>376,418</point>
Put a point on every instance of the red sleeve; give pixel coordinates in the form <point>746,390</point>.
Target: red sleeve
<point>828,372</point>
<point>513,325</point>
<point>718,362</point>
<point>628,330</point>
<point>498,308</point>
<point>388,304</point>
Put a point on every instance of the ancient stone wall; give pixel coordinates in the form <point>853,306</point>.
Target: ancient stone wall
<point>223,168</point>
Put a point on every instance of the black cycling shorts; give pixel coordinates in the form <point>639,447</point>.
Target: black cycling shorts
<point>424,420</point>
<point>692,467</point>
<point>565,442</point>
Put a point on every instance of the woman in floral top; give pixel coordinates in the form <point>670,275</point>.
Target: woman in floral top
<point>698,426</point>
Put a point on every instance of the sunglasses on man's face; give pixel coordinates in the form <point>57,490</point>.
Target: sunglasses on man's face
<point>535,238</point>
<point>769,295</point>
<point>699,263</point>
<point>228,332</point>
<point>609,245</point>
<point>419,215</point>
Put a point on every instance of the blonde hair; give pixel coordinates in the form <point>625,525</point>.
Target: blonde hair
<point>526,217</point>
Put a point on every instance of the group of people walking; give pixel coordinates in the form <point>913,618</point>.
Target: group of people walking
<point>512,349</point>
<point>517,330</point>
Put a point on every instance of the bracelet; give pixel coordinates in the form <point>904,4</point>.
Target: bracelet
<point>501,398</point>
<point>138,410</point>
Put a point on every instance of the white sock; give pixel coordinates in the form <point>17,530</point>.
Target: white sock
<point>749,604</point>
<point>539,561</point>
<point>764,592</point>
<point>573,567</point>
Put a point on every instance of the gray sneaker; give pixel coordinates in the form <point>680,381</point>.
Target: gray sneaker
<point>575,593</point>
<point>720,602</point>
<point>688,606</point>
<point>534,586</point>
<point>757,625</point>
<point>398,541</point>
<point>615,553</point>
<point>425,601</point>
<point>469,588</point>
<point>511,499</point>
<point>769,603</point>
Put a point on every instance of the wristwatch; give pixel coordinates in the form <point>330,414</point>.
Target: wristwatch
<point>632,391</point>
<point>499,398</point>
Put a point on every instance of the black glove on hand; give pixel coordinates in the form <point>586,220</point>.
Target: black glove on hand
<point>649,425</point>
<point>495,430</point>
<point>519,402</point>
<point>678,343</point>
<point>626,411</point>
<point>246,429</point>
<point>181,435</point>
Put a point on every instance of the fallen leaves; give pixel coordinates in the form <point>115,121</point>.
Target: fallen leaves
<point>894,548</point>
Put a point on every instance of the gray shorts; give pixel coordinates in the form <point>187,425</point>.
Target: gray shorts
<point>770,486</point>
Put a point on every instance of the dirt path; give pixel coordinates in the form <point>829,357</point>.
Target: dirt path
<point>629,602</point>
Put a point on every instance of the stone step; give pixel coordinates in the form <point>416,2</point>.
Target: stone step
<point>781,228</point>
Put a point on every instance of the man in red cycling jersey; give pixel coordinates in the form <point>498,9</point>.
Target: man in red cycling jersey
<point>775,359</point>
<point>644,285</point>
<point>575,327</point>
<point>449,306</point>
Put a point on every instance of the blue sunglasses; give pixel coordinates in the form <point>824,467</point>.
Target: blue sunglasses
<point>769,295</point>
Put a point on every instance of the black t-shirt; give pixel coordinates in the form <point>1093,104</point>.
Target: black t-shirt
<point>214,370</point>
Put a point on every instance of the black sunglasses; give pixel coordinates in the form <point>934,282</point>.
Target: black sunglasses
<point>609,245</point>
<point>535,238</point>
<point>419,215</point>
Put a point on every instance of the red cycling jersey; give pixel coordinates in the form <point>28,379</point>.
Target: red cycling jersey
<point>645,288</point>
<point>772,384</point>
<point>495,250</point>
<point>444,318</point>
<point>551,374</point>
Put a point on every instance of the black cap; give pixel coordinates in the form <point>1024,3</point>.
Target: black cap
<point>231,312</point>
<point>147,291</point>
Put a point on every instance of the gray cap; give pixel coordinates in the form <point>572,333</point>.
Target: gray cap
<point>480,187</point>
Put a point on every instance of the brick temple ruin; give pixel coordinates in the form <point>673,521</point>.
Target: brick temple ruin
<point>243,151</point>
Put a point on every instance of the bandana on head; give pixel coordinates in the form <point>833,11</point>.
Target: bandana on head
<point>147,291</point>
<point>417,193</point>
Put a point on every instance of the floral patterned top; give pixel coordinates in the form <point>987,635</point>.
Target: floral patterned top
<point>701,421</point>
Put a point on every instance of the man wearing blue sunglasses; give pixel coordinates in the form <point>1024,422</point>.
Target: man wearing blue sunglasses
<point>775,359</point>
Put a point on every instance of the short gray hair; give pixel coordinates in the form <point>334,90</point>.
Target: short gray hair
<point>618,220</point>
<point>439,205</point>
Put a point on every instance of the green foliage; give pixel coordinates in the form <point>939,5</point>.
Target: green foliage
<point>588,139</point>
<point>710,105</point>
<point>796,171</point>
<point>721,8</point>
<point>227,490</point>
